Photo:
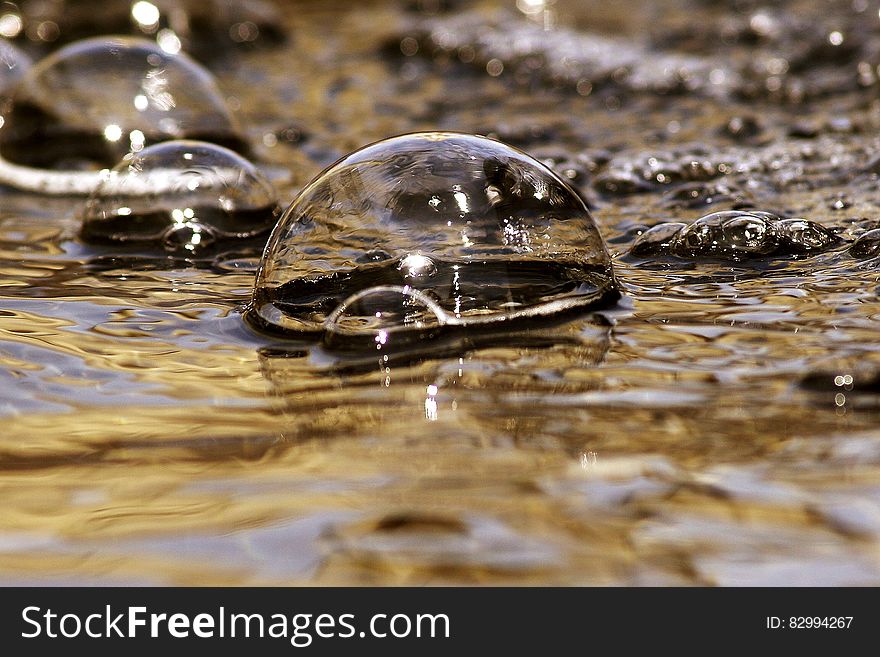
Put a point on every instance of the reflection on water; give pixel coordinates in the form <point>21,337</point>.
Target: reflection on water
<point>716,426</point>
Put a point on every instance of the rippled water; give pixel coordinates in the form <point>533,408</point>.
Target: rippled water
<point>715,426</point>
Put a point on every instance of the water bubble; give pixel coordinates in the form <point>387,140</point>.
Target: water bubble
<point>731,233</point>
<point>749,234</point>
<point>805,236</point>
<point>867,245</point>
<point>735,235</point>
<point>383,317</point>
<point>657,239</point>
<point>190,236</point>
<point>487,232</point>
<point>185,194</point>
<point>96,100</point>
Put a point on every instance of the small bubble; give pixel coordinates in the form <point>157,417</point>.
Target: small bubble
<point>657,239</point>
<point>867,245</point>
<point>185,194</point>
<point>384,316</point>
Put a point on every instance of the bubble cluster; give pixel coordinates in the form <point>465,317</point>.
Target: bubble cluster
<point>482,230</point>
<point>184,195</point>
<point>93,101</point>
<point>735,235</point>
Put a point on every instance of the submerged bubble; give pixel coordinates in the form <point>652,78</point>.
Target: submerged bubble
<point>96,100</point>
<point>484,230</point>
<point>383,317</point>
<point>735,235</point>
<point>185,194</point>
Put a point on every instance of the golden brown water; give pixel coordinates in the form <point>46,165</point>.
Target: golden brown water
<point>150,437</point>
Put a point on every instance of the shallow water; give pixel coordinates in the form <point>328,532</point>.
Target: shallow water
<point>150,436</point>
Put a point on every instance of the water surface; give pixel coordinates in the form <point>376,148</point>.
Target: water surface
<point>151,437</point>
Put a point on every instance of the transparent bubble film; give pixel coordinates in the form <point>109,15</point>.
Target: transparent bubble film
<point>187,195</point>
<point>95,100</point>
<point>484,232</point>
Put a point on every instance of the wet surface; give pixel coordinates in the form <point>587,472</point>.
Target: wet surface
<point>717,425</point>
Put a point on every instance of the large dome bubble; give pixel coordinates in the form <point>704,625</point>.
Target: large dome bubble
<point>186,195</point>
<point>98,99</point>
<point>485,231</point>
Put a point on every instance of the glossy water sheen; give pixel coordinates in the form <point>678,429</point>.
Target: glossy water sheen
<point>720,427</point>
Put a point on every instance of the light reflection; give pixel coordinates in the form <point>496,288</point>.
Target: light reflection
<point>137,139</point>
<point>462,200</point>
<point>431,412</point>
<point>539,11</point>
<point>10,25</point>
<point>145,13</point>
<point>155,88</point>
<point>456,289</point>
<point>112,132</point>
<point>169,41</point>
<point>588,460</point>
<point>417,266</point>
